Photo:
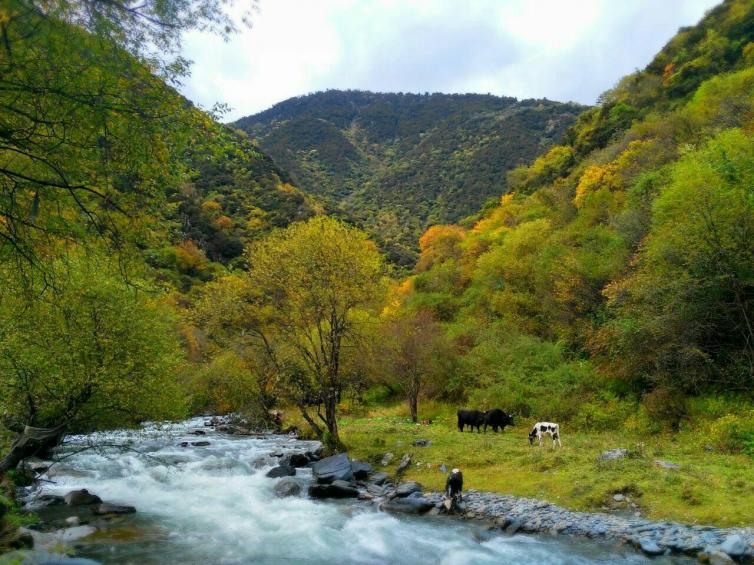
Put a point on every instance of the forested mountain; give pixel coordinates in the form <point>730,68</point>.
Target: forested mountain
<point>398,163</point>
<point>621,263</point>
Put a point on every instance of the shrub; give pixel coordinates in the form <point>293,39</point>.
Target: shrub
<point>666,406</point>
<point>733,434</point>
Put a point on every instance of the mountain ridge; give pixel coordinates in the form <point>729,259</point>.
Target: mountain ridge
<point>396,163</point>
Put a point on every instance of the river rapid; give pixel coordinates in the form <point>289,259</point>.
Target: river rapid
<point>214,505</point>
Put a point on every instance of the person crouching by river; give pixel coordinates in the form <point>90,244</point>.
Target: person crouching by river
<point>453,488</point>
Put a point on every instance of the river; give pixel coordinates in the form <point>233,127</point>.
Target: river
<point>214,505</point>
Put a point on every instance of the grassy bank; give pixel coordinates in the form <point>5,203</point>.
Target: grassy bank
<point>709,488</point>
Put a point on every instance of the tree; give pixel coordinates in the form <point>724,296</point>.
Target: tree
<point>90,137</point>
<point>418,345</point>
<point>314,281</point>
<point>85,352</point>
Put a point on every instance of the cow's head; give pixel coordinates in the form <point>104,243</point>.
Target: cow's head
<point>532,436</point>
<point>510,419</point>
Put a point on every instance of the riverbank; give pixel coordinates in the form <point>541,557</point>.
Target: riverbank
<point>666,477</point>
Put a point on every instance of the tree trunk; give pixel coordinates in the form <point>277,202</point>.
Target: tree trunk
<point>309,420</point>
<point>413,402</point>
<point>331,419</point>
<point>31,442</point>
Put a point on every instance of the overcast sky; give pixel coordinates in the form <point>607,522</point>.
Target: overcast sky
<point>558,49</point>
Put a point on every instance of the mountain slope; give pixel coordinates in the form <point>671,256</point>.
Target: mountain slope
<point>627,249</point>
<point>397,163</point>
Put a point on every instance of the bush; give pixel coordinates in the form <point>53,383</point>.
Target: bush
<point>606,412</point>
<point>666,406</point>
<point>733,434</point>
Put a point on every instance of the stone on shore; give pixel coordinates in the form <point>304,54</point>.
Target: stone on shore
<point>613,454</point>
<point>361,469</point>
<point>404,464</point>
<point>407,488</point>
<point>336,489</point>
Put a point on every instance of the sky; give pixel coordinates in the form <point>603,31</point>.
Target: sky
<point>566,50</point>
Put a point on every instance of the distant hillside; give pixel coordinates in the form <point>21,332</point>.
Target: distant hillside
<point>397,163</point>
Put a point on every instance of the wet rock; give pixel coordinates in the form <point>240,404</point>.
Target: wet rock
<point>313,456</point>
<point>718,558</point>
<point>298,460</point>
<point>199,432</point>
<point>421,443</point>
<point>200,443</point>
<point>104,509</point>
<point>650,547</point>
<point>379,478</point>
<point>81,498</point>
<point>336,489</point>
<point>619,497</point>
<point>334,468</point>
<point>408,505</point>
<point>734,545</point>
<point>360,469</point>
<point>613,454</point>
<point>514,526</point>
<point>281,471</point>
<point>287,487</point>
<point>404,464</point>
<point>72,521</point>
<point>407,488</point>
<point>667,465</point>
<point>386,459</point>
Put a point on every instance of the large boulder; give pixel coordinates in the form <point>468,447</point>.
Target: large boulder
<point>281,471</point>
<point>81,498</point>
<point>360,469</point>
<point>334,468</point>
<point>336,489</point>
<point>410,505</point>
<point>287,487</point>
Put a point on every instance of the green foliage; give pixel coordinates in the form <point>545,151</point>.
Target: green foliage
<point>733,434</point>
<point>399,163</point>
<point>89,351</point>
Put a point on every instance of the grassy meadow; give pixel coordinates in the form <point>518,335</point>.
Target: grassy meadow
<point>710,487</point>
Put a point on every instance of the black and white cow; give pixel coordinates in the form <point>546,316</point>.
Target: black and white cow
<point>453,488</point>
<point>541,428</point>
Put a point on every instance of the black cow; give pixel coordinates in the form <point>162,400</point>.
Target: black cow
<point>497,419</point>
<point>471,418</point>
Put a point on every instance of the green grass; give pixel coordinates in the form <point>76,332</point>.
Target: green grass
<point>710,488</point>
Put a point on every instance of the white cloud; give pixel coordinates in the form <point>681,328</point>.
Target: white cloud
<point>562,50</point>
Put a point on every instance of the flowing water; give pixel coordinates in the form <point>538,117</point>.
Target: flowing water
<point>214,505</point>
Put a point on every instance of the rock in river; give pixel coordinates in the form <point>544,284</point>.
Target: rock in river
<point>336,489</point>
<point>81,498</point>
<point>408,505</point>
<point>334,468</point>
<point>104,509</point>
<point>281,471</point>
<point>287,487</point>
